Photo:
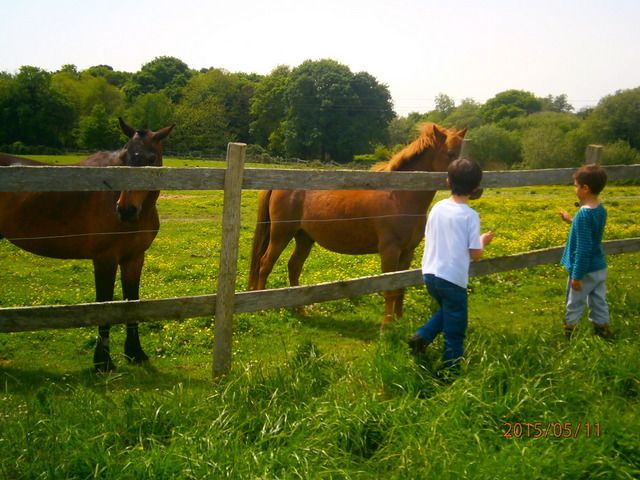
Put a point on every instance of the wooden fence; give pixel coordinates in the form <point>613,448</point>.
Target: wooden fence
<point>233,180</point>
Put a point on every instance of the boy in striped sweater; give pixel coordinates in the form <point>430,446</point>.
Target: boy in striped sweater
<point>583,256</point>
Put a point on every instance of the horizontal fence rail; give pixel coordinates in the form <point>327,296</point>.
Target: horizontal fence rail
<point>52,178</point>
<point>22,319</point>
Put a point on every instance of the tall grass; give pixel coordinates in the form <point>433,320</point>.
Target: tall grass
<point>324,395</point>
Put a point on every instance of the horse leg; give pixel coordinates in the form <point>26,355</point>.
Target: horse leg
<point>301,252</point>
<point>130,272</point>
<point>277,244</point>
<point>104,273</point>
<point>390,257</point>
<point>404,263</point>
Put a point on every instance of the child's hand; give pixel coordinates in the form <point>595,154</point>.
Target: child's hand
<point>576,284</point>
<point>565,216</point>
<point>486,238</point>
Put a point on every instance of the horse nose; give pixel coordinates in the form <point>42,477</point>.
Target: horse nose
<point>127,213</point>
<point>128,206</point>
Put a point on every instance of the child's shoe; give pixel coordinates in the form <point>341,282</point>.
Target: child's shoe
<point>569,330</point>
<point>417,344</point>
<point>603,331</point>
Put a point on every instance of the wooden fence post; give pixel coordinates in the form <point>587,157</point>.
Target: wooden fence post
<point>228,259</point>
<point>593,154</point>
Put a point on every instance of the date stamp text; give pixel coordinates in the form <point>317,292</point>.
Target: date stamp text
<point>551,429</point>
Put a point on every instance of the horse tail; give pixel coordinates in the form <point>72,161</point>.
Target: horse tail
<point>261,237</point>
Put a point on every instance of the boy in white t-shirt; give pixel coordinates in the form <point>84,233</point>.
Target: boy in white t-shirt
<point>452,241</point>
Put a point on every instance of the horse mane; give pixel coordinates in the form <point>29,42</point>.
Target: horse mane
<point>424,141</point>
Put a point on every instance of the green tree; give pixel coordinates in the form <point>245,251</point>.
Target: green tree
<point>98,131</point>
<point>163,74</point>
<point>213,111</point>
<point>510,104</point>
<point>559,104</point>
<point>620,153</point>
<point>32,111</point>
<point>85,91</point>
<point>268,110</point>
<point>153,110</point>
<point>562,121</point>
<point>465,115</point>
<point>547,147</point>
<point>6,116</point>
<point>616,117</point>
<point>113,77</point>
<point>403,130</point>
<point>494,146</point>
<point>445,104</point>
<point>333,113</point>
<point>568,125</point>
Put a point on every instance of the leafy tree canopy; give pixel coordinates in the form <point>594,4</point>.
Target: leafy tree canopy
<point>332,112</point>
<point>510,104</point>
<point>32,112</point>
<point>114,77</point>
<point>164,74</point>
<point>617,117</point>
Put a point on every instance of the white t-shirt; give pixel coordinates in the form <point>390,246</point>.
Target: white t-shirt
<point>452,230</point>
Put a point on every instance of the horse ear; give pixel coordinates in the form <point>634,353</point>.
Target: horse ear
<point>463,132</point>
<point>126,129</point>
<point>163,133</point>
<point>439,135</point>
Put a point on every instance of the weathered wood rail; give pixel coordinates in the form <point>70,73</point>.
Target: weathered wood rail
<point>233,180</point>
<point>48,317</point>
<point>61,179</point>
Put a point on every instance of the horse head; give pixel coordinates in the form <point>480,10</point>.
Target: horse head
<point>434,149</point>
<point>144,149</point>
<point>448,144</point>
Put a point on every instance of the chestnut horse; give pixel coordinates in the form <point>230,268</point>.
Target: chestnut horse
<point>354,222</point>
<point>111,228</point>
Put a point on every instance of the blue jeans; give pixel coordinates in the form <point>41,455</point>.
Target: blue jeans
<point>593,295</point>
<point>450,318</point>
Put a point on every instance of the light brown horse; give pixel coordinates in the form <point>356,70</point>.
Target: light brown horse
<point>111,228</point>
<point>354,222</point>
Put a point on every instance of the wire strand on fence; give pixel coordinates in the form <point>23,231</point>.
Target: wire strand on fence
<point>75,235</point>
<point>89,234</point>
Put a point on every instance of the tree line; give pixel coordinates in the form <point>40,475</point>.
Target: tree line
<point>317,110</point>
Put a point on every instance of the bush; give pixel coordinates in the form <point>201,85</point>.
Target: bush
<point>620,153</point>
<point>546,147</point>
<point>494,145</point>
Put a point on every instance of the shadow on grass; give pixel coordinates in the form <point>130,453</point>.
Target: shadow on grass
<point>25,380</point>
<point>367,330</point>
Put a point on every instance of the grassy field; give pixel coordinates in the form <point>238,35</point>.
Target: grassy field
<point>323,394</point>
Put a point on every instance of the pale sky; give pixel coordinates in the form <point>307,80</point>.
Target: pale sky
<point>585,49</point>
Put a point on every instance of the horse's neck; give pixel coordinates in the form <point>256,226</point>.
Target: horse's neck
<point>414,202</point>
<point>103,159</point>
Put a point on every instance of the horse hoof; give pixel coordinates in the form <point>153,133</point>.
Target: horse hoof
<point>102,360</point>
<point>104,367</point>
<point>140,358</point>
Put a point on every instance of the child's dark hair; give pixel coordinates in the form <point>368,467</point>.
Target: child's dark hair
<point>592,176</point>
<point>464,176</point>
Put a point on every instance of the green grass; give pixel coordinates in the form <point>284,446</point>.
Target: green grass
<point>324,395</point>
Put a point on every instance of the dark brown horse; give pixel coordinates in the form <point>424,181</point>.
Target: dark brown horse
<point>390,223</point>
<point>111,228</point>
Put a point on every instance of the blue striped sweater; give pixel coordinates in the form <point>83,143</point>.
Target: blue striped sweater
<point>583,252</point>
